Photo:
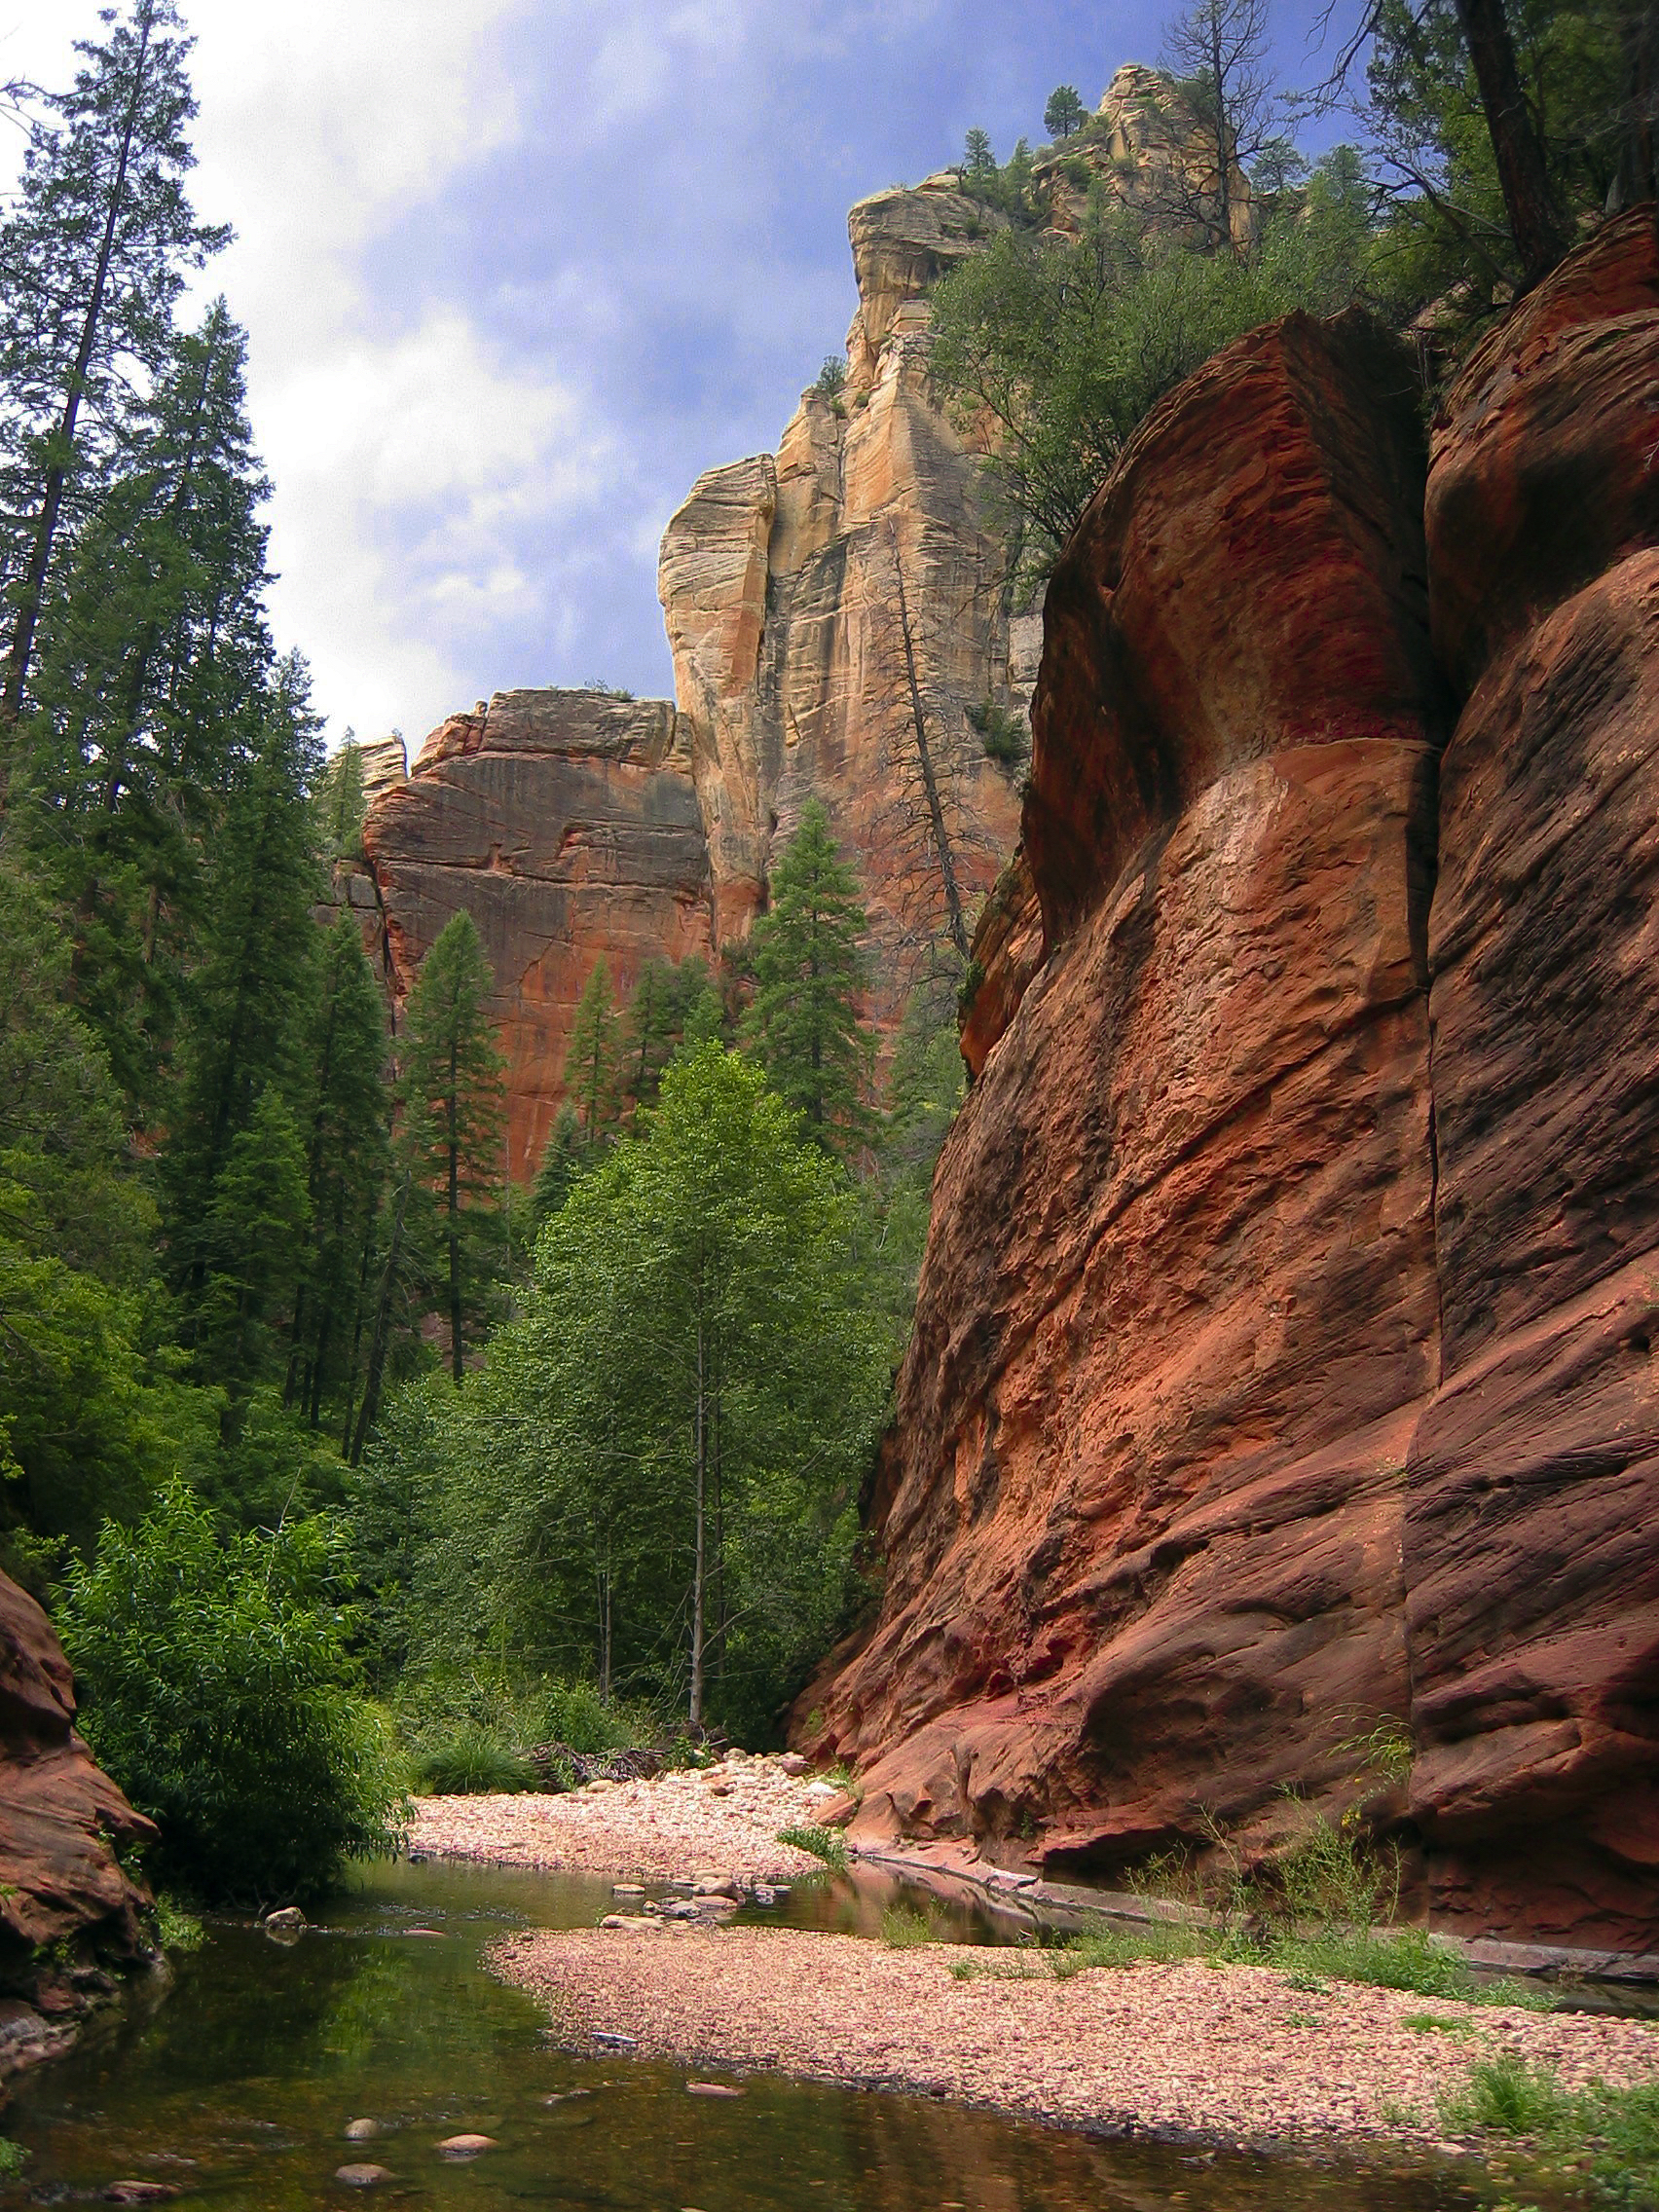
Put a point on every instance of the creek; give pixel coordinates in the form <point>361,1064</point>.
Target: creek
<point>237,2086</point>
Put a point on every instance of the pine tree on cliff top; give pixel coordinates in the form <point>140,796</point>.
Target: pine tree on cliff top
<point>1064,111</point>
<point>802,1025</point>
<point>453,1096</point>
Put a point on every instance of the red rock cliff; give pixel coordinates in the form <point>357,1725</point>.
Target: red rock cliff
<point>59,1821</point>
<point>1283,1355</point>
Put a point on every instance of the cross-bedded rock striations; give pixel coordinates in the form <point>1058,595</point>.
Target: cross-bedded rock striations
<point>1282,1355</point>
<point>60,1822</point>
<point>567,824</point>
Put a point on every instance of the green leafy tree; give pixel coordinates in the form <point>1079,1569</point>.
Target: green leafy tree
<point>453,1098</point>
<point>657,1472</point>
<point>93,258</point>
<point>217,1686</point>
<point>1064,111</point>
<point>593,1053</point>
<point>803,1022</point>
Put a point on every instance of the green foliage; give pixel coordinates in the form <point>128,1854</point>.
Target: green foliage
<point>472,1762</point>
<point>906,1928</point>
<point>683,1405</point>
<point>592,1053</point>
<point>1064,111</point>
<point>568,1156</point>
<point>218,1691</point>
<point>832,378</point>
<point>1066,344</point>
<point>176,1928</point>
<point>453,1094</point>
<point>826,1844</point>
<point>803,1022</point>
<point>342,803</point>
<point>12,2158</point>
<point>1002,733</point>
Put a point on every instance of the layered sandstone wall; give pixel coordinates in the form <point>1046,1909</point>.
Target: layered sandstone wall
<point>792,585</point>
<point>62,1821</point>
<point>1283,1361</point>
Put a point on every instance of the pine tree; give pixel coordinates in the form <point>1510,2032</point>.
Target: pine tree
<point>453,1096</point>
<point>346,1168</point>
<point>342,803</point>
<point>246,1015</point>
<point>649,1032</point>
<point>562,1163</point>
<point>593,1052</point>
<point>1064,111</point>
<point>153,676</point>
<point>804,1023</point>
<point>254,1238</point>
<point>93,259</point>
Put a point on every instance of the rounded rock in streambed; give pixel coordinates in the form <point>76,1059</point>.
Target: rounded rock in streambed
<point>362,2176</point>
<point>361,2130</point>
<point>464,2146</point>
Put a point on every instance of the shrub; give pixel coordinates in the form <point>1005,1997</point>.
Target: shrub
<point>831,378</point>
<point>472,1763</point>
<point>826,1844</point>
<point>1002,733</point>
<point>219,1691</point>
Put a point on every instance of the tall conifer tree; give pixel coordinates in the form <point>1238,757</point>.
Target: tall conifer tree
<point>453,1097</point>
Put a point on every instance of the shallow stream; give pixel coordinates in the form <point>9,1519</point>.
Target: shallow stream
<point>237,2089</point>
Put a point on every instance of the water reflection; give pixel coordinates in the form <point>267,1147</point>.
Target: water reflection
<point>238,2090</point>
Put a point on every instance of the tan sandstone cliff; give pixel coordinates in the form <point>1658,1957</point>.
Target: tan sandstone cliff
<point>798,590</point>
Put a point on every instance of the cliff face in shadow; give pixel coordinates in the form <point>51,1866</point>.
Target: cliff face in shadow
<point>1284,1359</point>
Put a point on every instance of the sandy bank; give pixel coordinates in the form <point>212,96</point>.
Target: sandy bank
<point>1232,2054</point>
<point>723,1818</point>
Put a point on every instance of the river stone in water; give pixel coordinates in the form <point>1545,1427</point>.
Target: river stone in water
<point>464,2146</point>
<point>361,2177</point>
<point>361,2130</point>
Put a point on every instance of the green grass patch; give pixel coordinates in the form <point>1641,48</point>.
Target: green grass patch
<point>826,1844</point>
<point>905,1928</point>
<point>1431,2024</point>
<point>1607,2138</point>
<point>1166,1942</point>
<point>1397,1958</point>
<point>12,2158</point>
<point>472,1762</point>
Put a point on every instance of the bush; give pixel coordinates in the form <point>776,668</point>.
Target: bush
<point>219,1691</point>
<point>472,1763</point>
<point>1001,733</point>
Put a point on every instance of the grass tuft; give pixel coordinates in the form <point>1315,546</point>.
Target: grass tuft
<point>905,1928</point>
<point>12,2158</point>
<point>1609,2136</point>
<point>828,1844</point>
<point>472,1762</point>
<point>177,1930</point>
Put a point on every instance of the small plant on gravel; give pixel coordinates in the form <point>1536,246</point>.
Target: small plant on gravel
<point>1505,2096</point>
<point>828,1844</point>
<point>906,1928</point>
<point>1431,2024</point>
<point>1396,2115</point>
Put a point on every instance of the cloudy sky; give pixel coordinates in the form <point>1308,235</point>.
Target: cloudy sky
<point>515,272</point>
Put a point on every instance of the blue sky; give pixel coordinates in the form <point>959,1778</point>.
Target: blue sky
<point>515,272</point>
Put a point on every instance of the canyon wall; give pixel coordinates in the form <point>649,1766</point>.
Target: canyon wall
<point>815,599</point>
<point>1284,1359</point>
<point>60,1822</point>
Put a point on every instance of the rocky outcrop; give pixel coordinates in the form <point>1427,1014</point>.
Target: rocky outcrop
<point>61,1822</point>
<point>1283,1361</point>
<point>567,824</point>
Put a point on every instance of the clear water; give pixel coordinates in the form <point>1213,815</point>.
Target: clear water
<point>238,2086</point>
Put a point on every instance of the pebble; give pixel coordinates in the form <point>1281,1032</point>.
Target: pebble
<point>627,1889</point>
<point>791,1762</point>
<point>140,2192</point>
<point>361,2177</point>
<point>464,2146</point>
<point>712,2090</point>
<point>610,2039</point>
<point>361,2130</point>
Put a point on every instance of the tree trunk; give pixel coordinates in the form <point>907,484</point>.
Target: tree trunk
<point>924,756</point>
<point>22,649</point>
<point>1534,220</point>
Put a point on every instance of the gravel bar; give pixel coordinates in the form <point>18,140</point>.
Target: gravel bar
<point>1229,2055</point>
<point>723,1818</point>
